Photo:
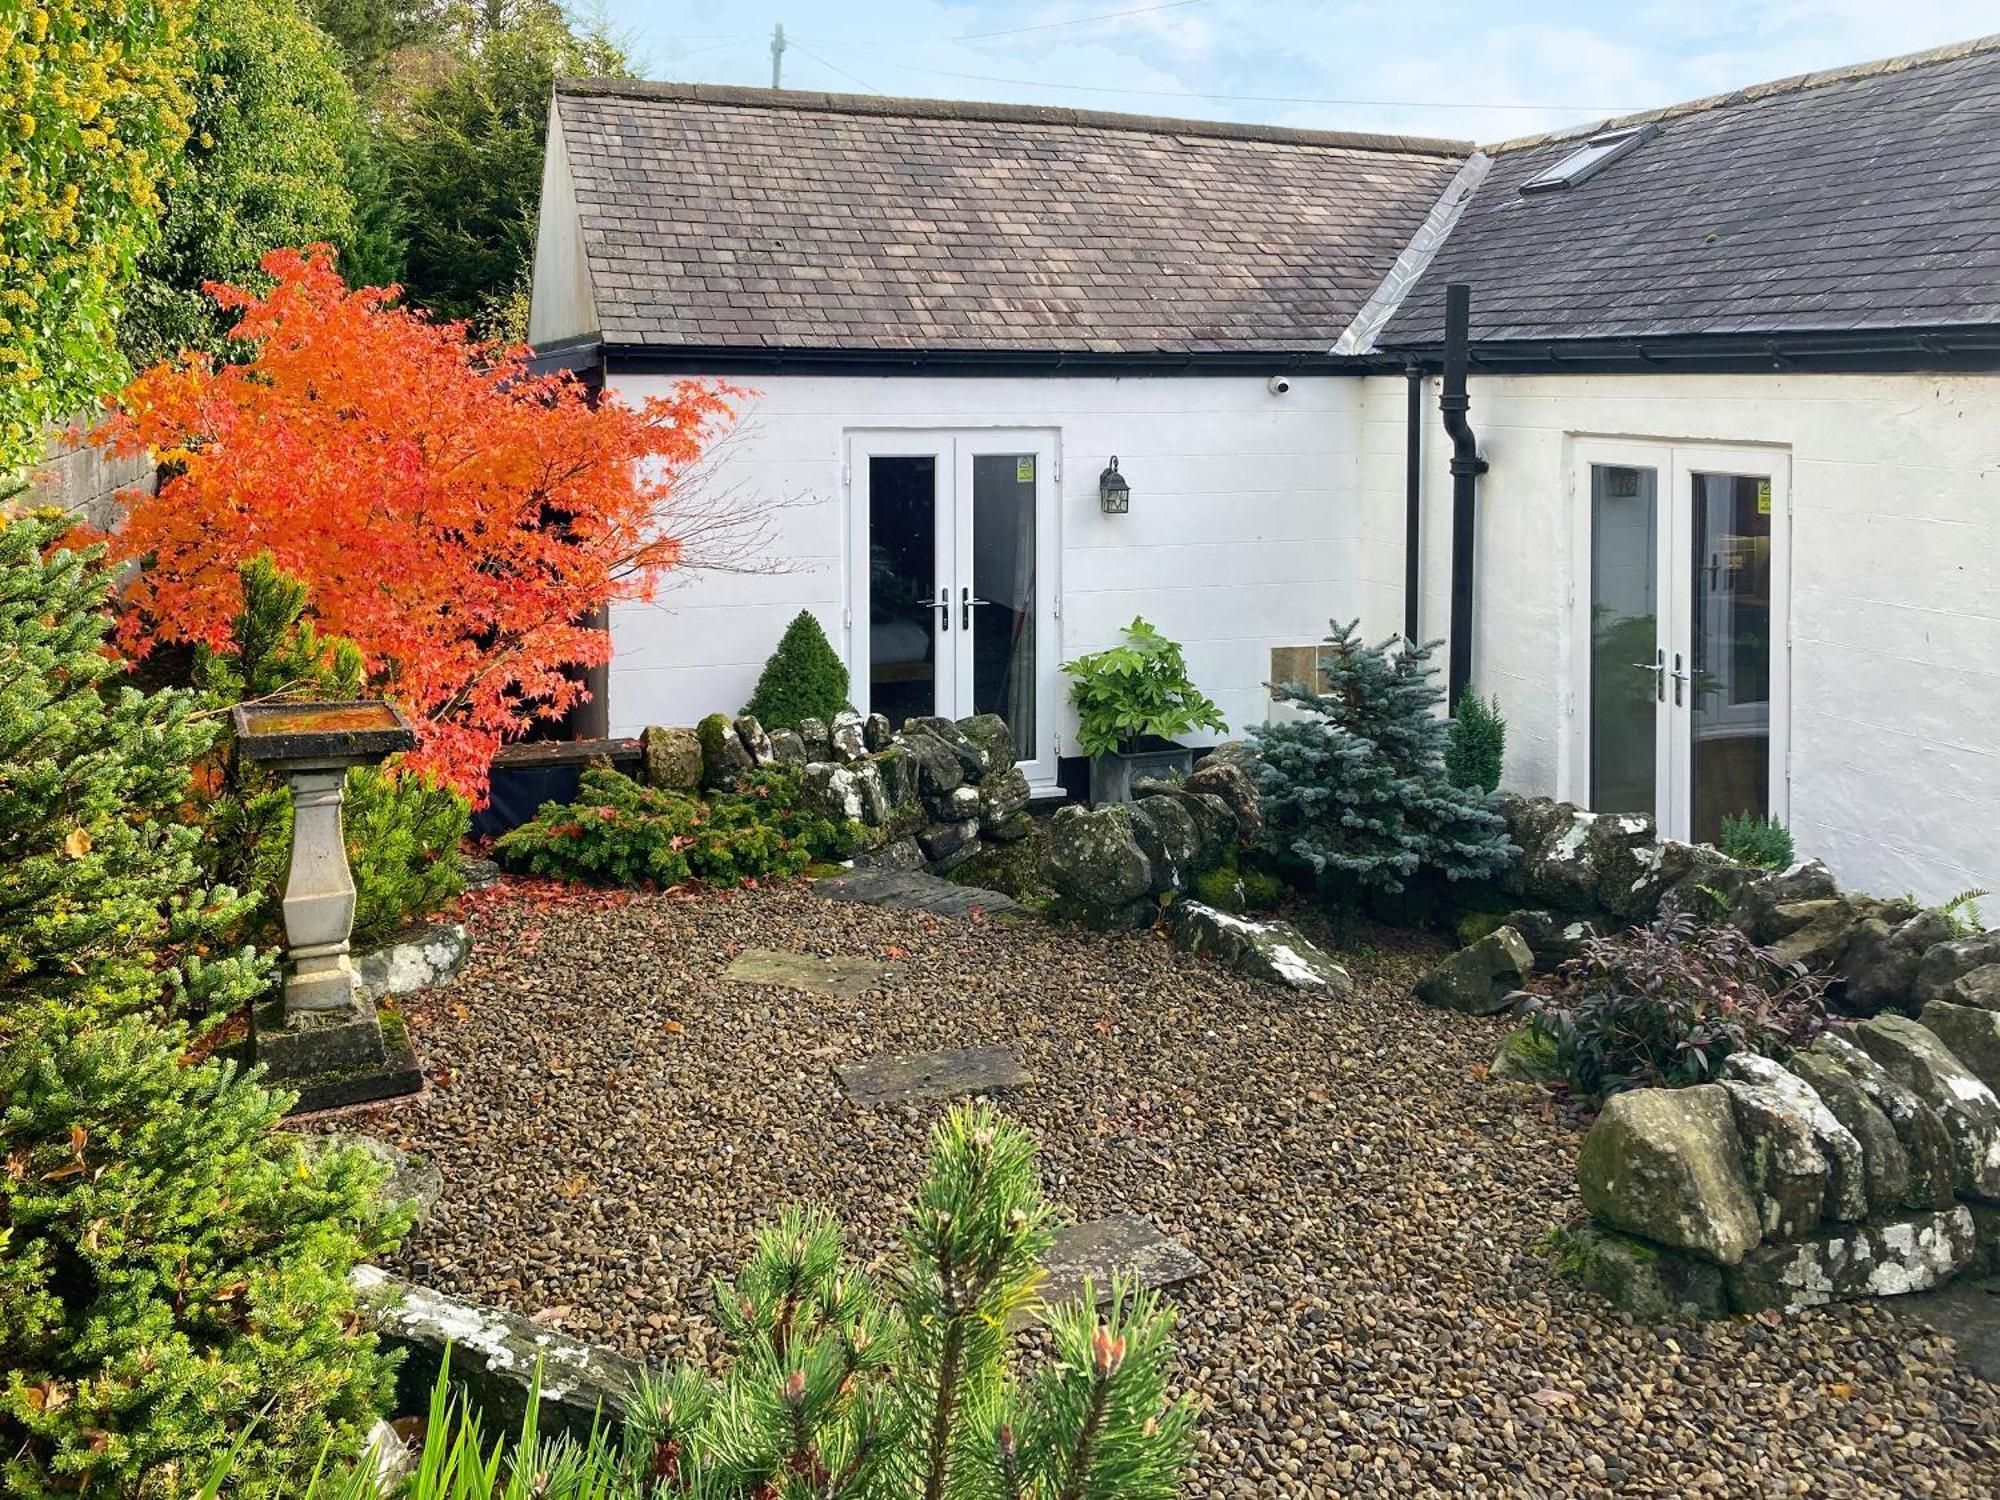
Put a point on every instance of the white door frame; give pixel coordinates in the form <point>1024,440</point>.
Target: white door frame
<point>953,449</point>
<point>1675,464</point>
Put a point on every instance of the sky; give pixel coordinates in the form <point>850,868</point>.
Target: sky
<point>1485,71</point>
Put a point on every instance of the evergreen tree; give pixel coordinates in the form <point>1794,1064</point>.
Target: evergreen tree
<point>1477,748</point>
<point>1356,794</point>
<point>804,679</point>
<point>103,905</point>
<point>172,1271</point>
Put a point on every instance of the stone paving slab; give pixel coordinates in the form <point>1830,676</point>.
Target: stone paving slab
<point>1120,1245</point>
<point>891,1078</point>
<point>914,890</point>
<point>842,978</point>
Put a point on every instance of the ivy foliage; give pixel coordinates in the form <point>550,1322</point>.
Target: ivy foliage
<point>94,107</point>
<point>274,125</point>
<point>804,678</point>
<point>619,832</point>
<point>1355,792</point>
<point>1137,688</point>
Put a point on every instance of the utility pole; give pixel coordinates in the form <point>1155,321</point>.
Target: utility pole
<point>777,53</point>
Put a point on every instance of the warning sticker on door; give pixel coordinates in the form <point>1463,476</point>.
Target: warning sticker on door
<point>1763,497</point>
<point>1024,469</point>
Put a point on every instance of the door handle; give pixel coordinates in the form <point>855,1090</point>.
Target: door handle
<point>966,603</point>
<point>1680,678</point>
<point>1658,667</point>
<point>942,604</point>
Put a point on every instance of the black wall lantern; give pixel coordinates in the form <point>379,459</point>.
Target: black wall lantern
<point>1113,493</point>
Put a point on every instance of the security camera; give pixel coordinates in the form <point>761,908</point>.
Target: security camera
<point>1277,385</point>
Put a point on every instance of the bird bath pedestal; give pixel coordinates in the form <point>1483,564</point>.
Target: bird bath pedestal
<point>321,1028</point>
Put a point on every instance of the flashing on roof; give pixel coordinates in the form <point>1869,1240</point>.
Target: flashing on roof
<point>1592,157</point>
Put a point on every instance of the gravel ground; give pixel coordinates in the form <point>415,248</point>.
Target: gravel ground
<point>613,1122</point>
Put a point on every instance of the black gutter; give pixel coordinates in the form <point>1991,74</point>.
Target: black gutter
<point>1820,350</point>
<point>1466,467</point>
<point>634,359</point>
<point>1413,496</point>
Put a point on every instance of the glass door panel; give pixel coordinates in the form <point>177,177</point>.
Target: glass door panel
<point>1626,674</point>
<point>909,665</point>
<point>1729,650</point>
<point>999,607</point>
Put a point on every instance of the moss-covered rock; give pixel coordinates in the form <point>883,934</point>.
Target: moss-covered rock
<point>1526,1055</point>
<point>724,761</point>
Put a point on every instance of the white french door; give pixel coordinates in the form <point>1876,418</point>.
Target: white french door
<point>1681,680</point>
<point>951,580</point>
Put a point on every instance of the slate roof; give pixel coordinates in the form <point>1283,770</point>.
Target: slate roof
<point>1865,198</point>
<point>725,217</point>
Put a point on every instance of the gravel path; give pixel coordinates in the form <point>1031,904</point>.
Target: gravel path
<point>613,1122</point>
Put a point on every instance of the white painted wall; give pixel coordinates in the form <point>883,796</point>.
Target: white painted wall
<point>1895,609</point>
<point>1243,532</point>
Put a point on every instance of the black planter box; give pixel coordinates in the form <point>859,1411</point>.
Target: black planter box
<point>1111,776</point>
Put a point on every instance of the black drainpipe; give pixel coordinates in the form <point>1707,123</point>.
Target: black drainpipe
<point>1466,467</point>
<point>1413,497</point>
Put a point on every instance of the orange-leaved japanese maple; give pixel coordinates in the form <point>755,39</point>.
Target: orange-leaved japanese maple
<point>454,515</point>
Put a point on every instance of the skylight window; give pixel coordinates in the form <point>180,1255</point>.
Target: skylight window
<point>1592,157</point>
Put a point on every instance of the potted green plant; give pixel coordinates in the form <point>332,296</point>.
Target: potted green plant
<point>1131,701</point>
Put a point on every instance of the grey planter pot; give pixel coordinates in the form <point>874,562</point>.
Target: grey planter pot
<point>1111,776</point>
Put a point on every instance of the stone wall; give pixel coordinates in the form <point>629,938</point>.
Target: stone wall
<point>930,794</point>
<point>1866,1166</point>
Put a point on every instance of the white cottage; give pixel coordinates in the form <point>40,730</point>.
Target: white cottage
<point>1731,541</point>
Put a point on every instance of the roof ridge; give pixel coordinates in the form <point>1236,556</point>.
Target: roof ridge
<point>1021,114</point>
<point>1797,83</point>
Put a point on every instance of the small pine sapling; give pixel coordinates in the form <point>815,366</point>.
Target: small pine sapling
<point>804,678</point>
<point>1750,839</point>
<point>1477,745</point>
<point>1355,791</point>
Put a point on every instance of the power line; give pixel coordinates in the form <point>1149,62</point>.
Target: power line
<point>1116,15</point>
<point>795,42</point>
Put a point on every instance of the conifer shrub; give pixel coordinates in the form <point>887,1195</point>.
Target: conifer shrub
<point>172,1273</point>
<point>1752,840</point>
<point>1356,799</point>
<point>845,1388</point>
<point>1477,745</point>
<point>620,832</point>
<point>804,678</point>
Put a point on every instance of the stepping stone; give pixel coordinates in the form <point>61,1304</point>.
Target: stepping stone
<point>1121,1245</point>
<point>914,890</point>
<point>842,978</point>
<point>890,1078</point>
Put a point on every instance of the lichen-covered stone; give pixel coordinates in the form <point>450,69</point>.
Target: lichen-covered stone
<point>877,733</point>
<point>788,747</point>
<point>724,761</point>
<point>1885,1167</point>
<point>1972,1034</point>
<point>418,960</point>
<point>1215,824</point>
<point>756,743</point>
<point>1010,830</point>
<point>1667,1165</point>
<point>939,770</point>
<point>833,791</point>
<point>1272,951</point>
<point>1847,1173</point>
<point>1694,880</point>
<point>1525,1055</point>
<point>943,842</point>
<point>672,758</point>
<point>817,738</point>
<point>1001,796</point>
<point>1943,966</point>
<point>1651,1282</point>
<point>848,735</point>
<point>1910,1254</point>
<point>1968,1108</point>
<point>957,805</point>
<point>896,764</point>
<point>991,736</point>
<point>1817,933</point>
<point>1926,1144</point>
<point>1094,862</point>
<point>1235,784</point>
<point>1553,938</point>
<point>495,1356</point>
<point>1979,988</point>
<point>1619,852</point>
<point>1166,832</point>
<point>1555,868</point>
<point>1756,904</point>
<point>972,758</point>
<point>1786,1170</point>
<point>1479,979</point>
<point>1879,969</point>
